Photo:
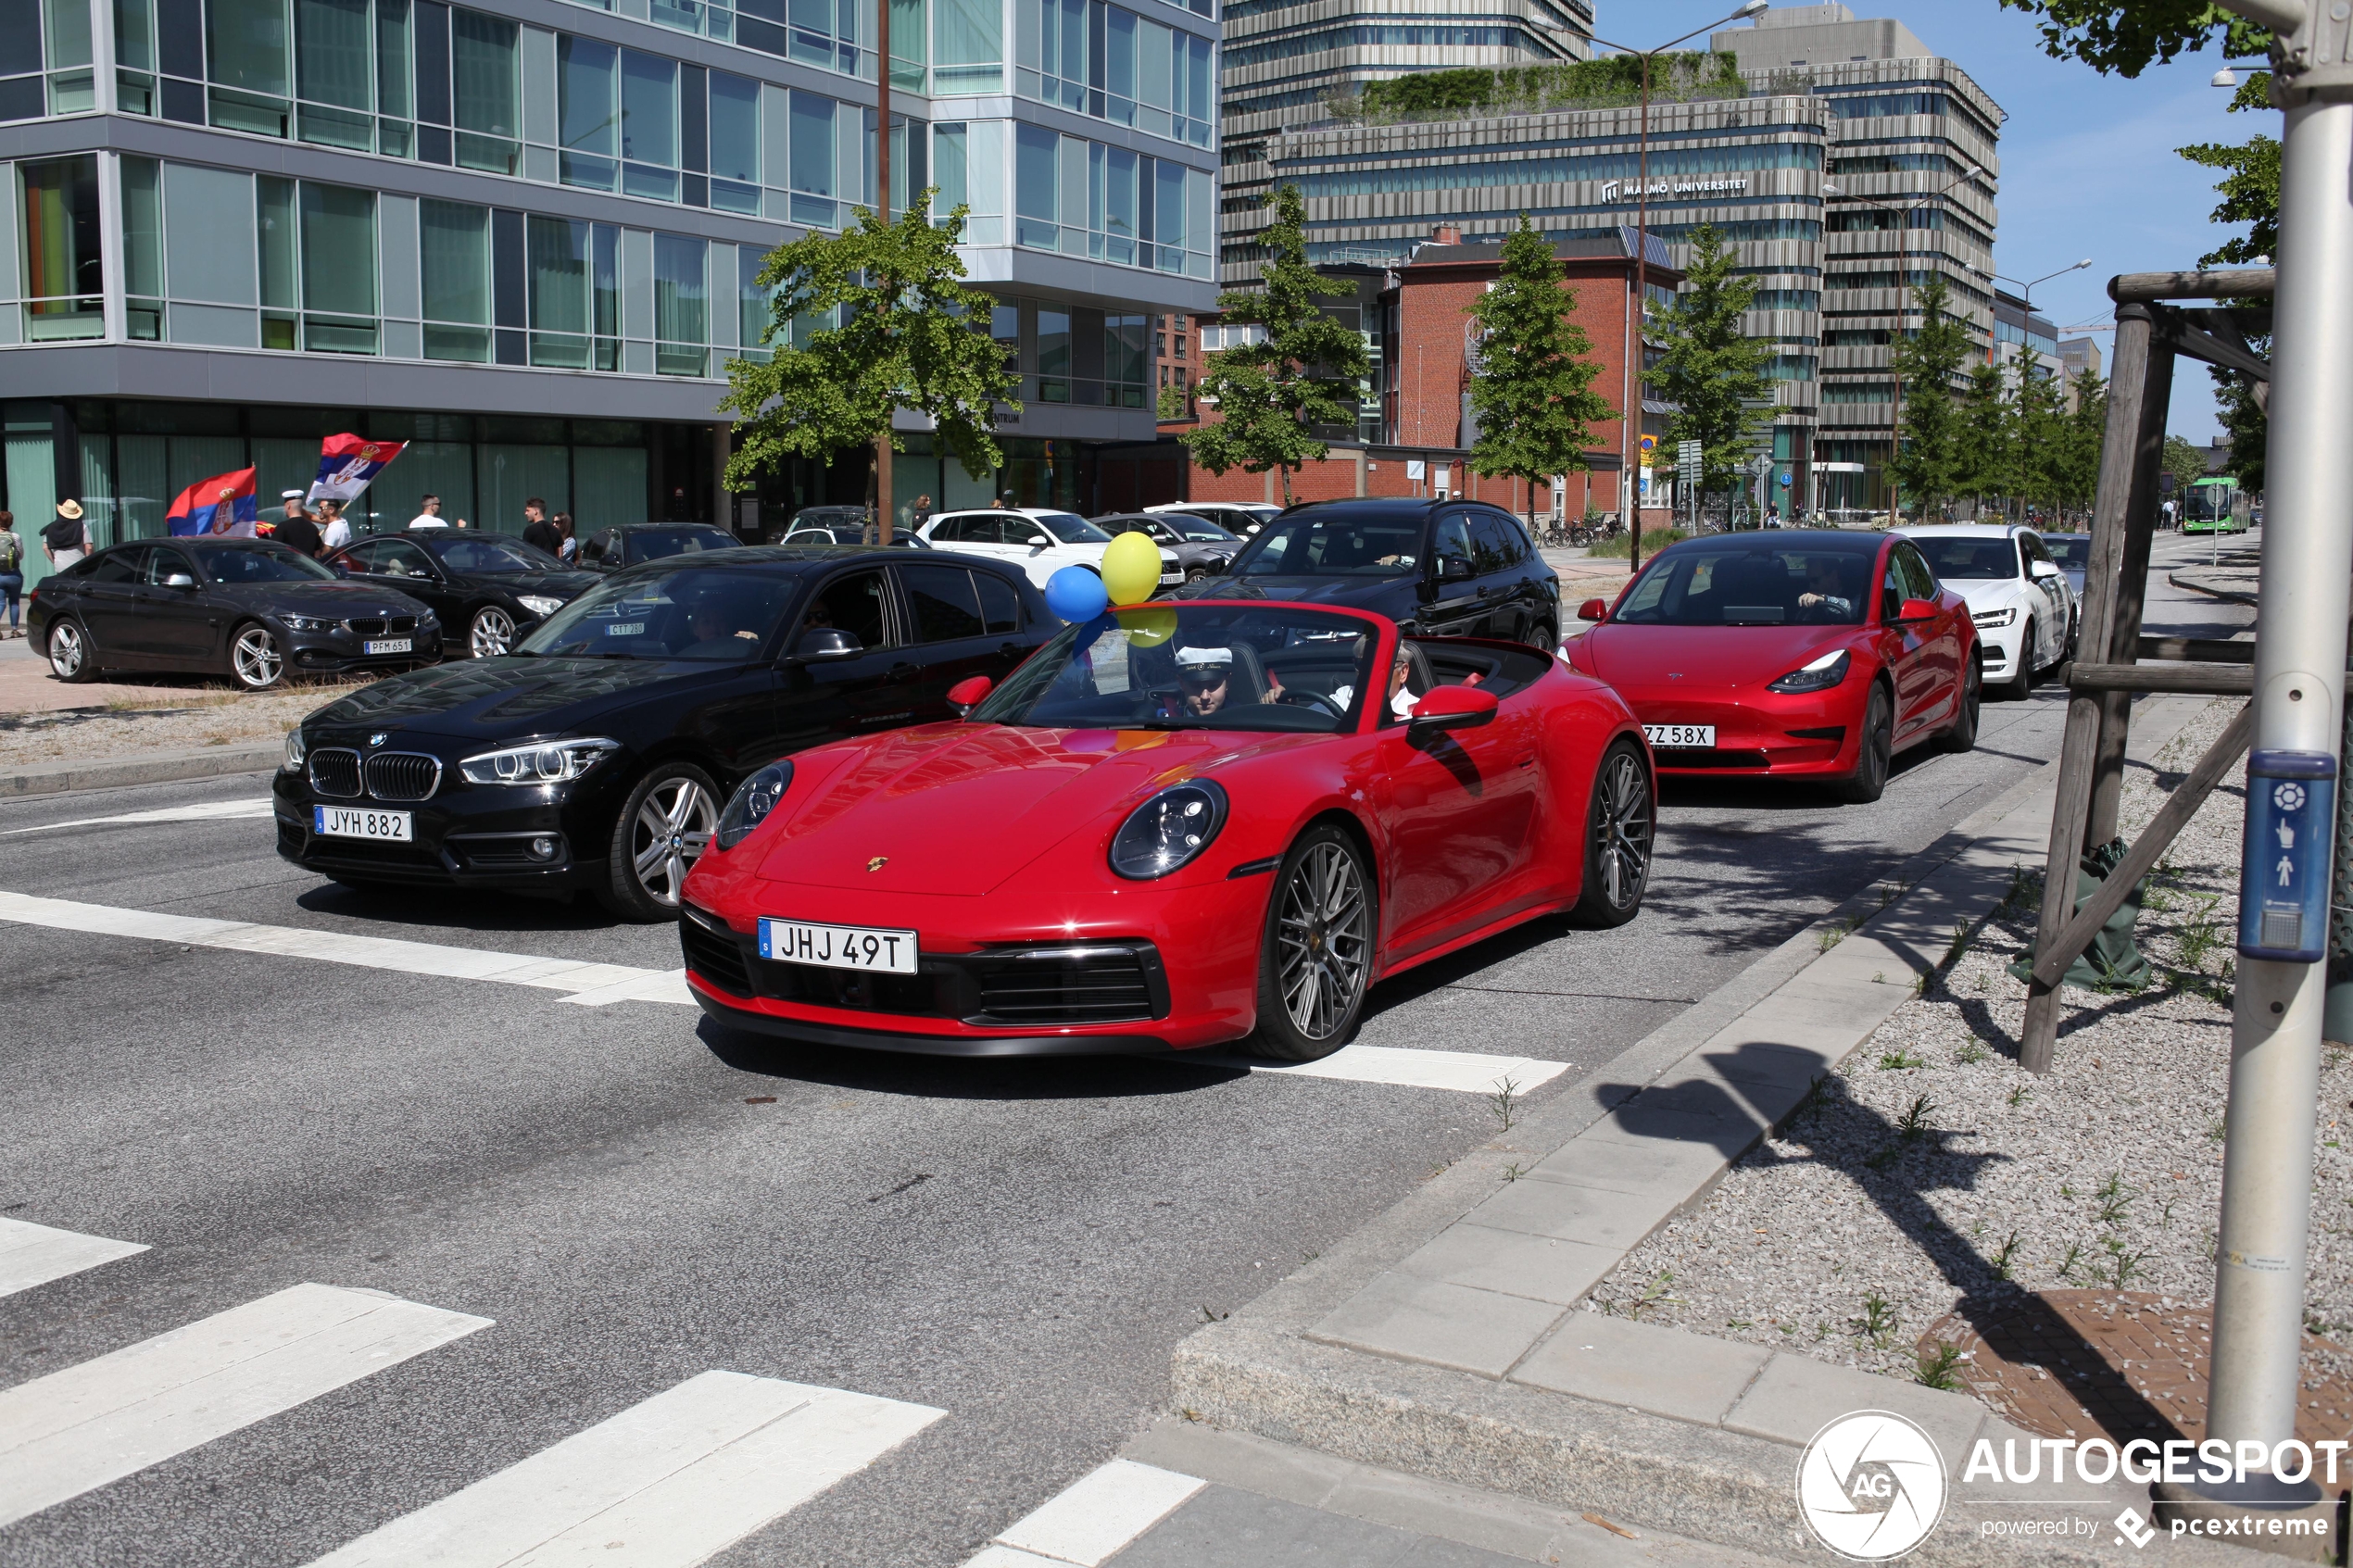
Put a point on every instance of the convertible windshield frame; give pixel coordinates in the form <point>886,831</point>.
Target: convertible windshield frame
<point>305,570</point>
<point>650,613</point>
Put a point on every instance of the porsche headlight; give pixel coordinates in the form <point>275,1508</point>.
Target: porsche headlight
<point>539,605</point>
<point>1819,676</point>
<point>297,751</point>
<point>753,799</point>
<point>555,761</point>
<point>1996,617</point>
<point>1167,830</point>
<point>307,623</point>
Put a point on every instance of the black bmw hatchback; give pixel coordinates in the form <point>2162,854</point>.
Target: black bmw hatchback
<point>598,754</point>
<point>488,589</point>
<point>247,607</point>
<point>1442,568</point>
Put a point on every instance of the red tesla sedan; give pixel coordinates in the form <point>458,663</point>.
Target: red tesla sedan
<point>1807,655</point>
<point>1174,826</point>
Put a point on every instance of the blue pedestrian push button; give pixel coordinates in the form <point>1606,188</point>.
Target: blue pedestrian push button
<point>2283,885</point>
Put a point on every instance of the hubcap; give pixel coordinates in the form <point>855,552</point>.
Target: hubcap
<point>672,828</point>
<point>257,657</point>
<point>65,650</point>
<point>493,634</point>
<point>1323,941</point>
<point>1622,836</point>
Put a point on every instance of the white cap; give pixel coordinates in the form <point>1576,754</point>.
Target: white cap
<point>290,494</point>
<point>1202,658</point>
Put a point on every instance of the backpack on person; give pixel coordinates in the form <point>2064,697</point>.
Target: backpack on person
<point>11,552</point>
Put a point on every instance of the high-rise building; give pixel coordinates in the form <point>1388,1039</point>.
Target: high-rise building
<point>523,236</point>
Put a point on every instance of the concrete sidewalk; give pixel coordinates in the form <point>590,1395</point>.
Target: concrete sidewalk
<point>1446,1341</point>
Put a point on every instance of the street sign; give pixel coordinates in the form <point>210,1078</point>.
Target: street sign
<point>1647,442</point>
<point>1688,462</point>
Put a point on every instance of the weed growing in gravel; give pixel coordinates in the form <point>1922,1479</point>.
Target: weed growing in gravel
<point>1505,1101</point>
<point>2002,1256</point>
<point>2214,1130</point>
<point>1885,1158</point>
<point>1817,1095</point>
<point>2198,935</point>
<point>1513,1172</point>
<point>2074,1256</point>
<point>1936,1371</point>
<point>2024,893</point>
<point>1836,932</point>
<point>2019,1096</point>
<point>1652,1295</point>
<point>1922,981</point>
<point>2123,1265</point>
<point>1958,946</point>
<point>1972,1051</point>
<point>1878,1322</point>
<point>1899,1061</point>
<point>1913,1123</point>
<point>2115,1202</point>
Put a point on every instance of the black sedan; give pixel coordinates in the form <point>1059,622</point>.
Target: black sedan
<point>598,755</point>
<point>634,543</point>
<point>244,607</point>
<point>487,588</point>
<point>1447,568</point>
<point>1201,546</point>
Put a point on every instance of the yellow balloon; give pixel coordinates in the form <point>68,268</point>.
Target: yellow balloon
<point>1148,628</point>
<point>1131,568</point>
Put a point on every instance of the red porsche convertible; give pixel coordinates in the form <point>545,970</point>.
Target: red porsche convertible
<point>1174,826</point>
<point>1807,655</point>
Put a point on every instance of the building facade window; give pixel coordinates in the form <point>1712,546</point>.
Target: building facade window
<point>1107,62</point>
<point>454,268</point>
<point>1109,204</point>
<point>58,249</point>
<point>681,307</point>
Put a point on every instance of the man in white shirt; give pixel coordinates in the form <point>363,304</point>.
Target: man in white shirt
<point>428,515</point>
<point>333,526</point>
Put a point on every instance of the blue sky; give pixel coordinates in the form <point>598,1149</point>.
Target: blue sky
<point>2088,162</point>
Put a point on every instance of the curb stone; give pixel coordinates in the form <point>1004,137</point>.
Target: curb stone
<point>1444,1339</point>
<point>2232,596</point>
<point>156,767</point>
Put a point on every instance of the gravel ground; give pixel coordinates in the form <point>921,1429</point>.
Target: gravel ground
<point>199,717</point>
<point>1933,1168</point>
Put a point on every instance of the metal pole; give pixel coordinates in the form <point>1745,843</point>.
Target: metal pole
<point>882,209</point>
<point>1629,474</point>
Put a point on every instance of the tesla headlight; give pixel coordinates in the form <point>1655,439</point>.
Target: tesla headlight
<point>1819,676</point>
<point>1167,830</point>
<point>297,749</point>
<point>539,605</point>
<point>753,799</point>
<point>1996,617</point>
<point>307,623</point>
<point>555,761</point>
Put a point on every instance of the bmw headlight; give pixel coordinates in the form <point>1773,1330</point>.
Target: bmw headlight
<point>555,761</point>
<point>307,623</point>
<point>297,749</point>
<point>1167,830</point>
<point>539,605</point>
<point>1996,617</point>
<point>753,799</point>
<point>1819,676</point>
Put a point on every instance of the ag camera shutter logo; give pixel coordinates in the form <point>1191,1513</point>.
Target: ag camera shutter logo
<point>1871,1486</point>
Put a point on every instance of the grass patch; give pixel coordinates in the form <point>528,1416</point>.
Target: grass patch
<point>1653,540</point>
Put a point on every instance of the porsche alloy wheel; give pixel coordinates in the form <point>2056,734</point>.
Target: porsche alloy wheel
<point>1318,953</point>
<point>70,652</point>
<point>492,633</point>
<point>1620,825</point>
<point>663,830</point>
<point>257,659</point>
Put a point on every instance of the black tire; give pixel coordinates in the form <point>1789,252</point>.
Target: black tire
<point>1315,960</point>
<point>1877,753</point>
<point>662,830</point>
<point>1961,735</point>
<point>1621,828</point>
<point>2021,687</point>
<point>68,647</point>
<point>1544,638</point>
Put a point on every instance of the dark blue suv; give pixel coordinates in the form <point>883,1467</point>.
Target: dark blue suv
<point>1449,569</point>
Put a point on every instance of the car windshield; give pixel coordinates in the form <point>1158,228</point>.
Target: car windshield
<point>1977,557</point>
<point>654,543</point>
<point>1194,529</point>
<point>2075,552</point>
<point>1333,547</point>
<point>1752,584</point>
<point>269,563</point>
<point>704,613</point>
<point>1185,667</point>
<point>1070,527</point>
<point>494,556</point>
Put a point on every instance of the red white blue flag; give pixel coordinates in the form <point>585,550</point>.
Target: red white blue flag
<point>222,503</point>
<point>346,464</point>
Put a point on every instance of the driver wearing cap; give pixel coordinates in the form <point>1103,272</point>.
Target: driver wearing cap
<point>1205,683</point>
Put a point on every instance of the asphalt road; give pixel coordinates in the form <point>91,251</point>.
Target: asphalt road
<point>1017,1244</point>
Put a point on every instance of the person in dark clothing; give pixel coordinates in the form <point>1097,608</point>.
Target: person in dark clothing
<point>299,533</point>
<point>538,532</point>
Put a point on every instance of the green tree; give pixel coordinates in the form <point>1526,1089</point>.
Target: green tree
<point>1303,373</point>
<point>1983,461</point>
<point>2187,462</point>
<point>2085,436</point>
<point>2040,421</point>
<point>1927,465</point>
<point>2124,37</point>
<point>1712,373</point>
<point>865,323</point>
<point>2250,193</point>
<point>1534,394</point>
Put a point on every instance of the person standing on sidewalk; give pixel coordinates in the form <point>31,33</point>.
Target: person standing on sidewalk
<point>538,532</point>
<point>67,539</point>
<point>11,570</point>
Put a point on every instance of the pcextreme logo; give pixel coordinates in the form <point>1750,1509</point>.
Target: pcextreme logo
<point>1871,1486</point>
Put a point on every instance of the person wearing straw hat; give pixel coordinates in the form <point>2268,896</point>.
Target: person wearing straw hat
<point>67,539</point>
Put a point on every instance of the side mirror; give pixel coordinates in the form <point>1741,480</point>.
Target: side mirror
<point>1037,546</point>
<point>965,695</point>
<point>1918,609</point>
<point>1454,708</point>
<point>2041,569</point>
<point>179,580</point>
<point>1593,610</point>
<point>1453,569</point>
<point>822,643</point>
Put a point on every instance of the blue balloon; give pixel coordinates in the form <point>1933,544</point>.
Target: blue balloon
<point>1075,594</point>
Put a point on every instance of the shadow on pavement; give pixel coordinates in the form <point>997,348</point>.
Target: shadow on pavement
<point>971,1078</point>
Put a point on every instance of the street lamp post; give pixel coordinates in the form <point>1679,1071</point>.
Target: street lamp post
<point>2027,294</point>
<point>882,210</point>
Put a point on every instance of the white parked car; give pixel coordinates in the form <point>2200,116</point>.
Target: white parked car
<point>2023,606</point>
<point>1242,518</point>
<point>1040,542</point>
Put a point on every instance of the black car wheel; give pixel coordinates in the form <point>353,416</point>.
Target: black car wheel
<point>491,633</point>
<point>1316,958</point>
<point>662,832</point>
<point>1877,754</point>
<point>1962,736</point>
<point>1544,638</point>
<point>256,656</point>
<point>2021,687</point>
<point>1621,823</point>
<point>70,655</point>
<point>1195,573</point>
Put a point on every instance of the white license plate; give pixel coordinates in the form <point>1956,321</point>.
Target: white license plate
<point>838,946</point>
<point>388,645</point>
<point>349,821</point>
<point>1682,736</point>
<point>1168,577</point>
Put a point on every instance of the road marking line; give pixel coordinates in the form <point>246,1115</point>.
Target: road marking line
<point>1098,1514</point>
<point>31,1254</point>
<point>210,811</point>
<point>82,1427</point>
<point>668,1482</point>
<point>1463,1071</point>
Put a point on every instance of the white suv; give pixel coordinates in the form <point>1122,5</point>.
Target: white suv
<point>2024,610</point>
<point>1040,542</point>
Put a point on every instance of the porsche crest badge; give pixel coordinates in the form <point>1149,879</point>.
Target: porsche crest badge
<point>878,862</point>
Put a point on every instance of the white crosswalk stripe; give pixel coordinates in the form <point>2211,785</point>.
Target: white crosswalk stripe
<point>80,1429</point>
<point>665,1484</point>
<point>1092,1518</point>
<point>31,1254</point>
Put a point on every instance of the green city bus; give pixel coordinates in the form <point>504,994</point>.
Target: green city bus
<point>2211,507</point>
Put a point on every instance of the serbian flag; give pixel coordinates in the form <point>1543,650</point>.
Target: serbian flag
<point>222,503</point>
<point>348,463</point>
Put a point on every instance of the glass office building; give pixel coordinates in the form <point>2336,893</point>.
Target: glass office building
<point>527,238</point>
